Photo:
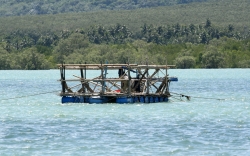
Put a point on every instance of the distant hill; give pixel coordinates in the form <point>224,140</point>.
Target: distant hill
<point>221,13</point>
<point>211,34</point>
<point>38,7</point>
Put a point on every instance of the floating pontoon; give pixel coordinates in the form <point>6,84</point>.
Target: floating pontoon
<point>132,83</point>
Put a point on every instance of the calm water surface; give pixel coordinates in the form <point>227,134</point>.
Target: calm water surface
<point>41,125</point>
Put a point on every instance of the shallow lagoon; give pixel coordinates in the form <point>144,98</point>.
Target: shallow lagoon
<point>39,125</point>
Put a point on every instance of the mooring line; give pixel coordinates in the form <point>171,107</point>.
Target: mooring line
<point>24,96</point>
<point>177,98</point>
<point>188,97</point>
<point>181,95</point>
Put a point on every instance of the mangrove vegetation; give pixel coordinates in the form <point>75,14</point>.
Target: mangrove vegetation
<point>210,34</point>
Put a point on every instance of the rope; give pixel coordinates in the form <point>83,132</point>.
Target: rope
<point>181,95</point>
<point>188,97</point>
<point>18,97</point>
<point>177,98</point>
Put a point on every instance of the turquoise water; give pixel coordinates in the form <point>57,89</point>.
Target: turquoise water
<point>41,125</point>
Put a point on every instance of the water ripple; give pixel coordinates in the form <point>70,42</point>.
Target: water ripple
<point>43,126</point>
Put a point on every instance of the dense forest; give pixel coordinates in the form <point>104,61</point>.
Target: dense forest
<point>201,41</point>
<point>37,7</point>
<point>192,46</point>
<point>222,14</point>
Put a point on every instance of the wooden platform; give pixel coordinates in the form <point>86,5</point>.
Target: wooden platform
<point>142,86</point>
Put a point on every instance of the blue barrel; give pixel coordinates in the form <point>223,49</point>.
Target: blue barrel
<point>97,99</point>
<point>161,99</point>
<point>77,100</point>
<point>70,99</point>
<point>151,99</point>
<point>67,99</point>
<point>165,99</point>
<point>122,100</point>
<point>173,79</point>
<point>156,99</point>
<point>142,100</point>
<point>86,99</point>
<point>136,100</point>
<point>81,99</point>
<point>146,99</point>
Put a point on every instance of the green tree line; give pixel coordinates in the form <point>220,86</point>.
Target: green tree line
<point>186,46</point>
<point>120,34</point>
<point>222,14</point>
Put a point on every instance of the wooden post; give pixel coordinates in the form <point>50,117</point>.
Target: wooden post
<point>61,73</point>
<point>85,71</point>
<point>142,76</point>
<point>105,76</point>
<point>167,89</point>
<point>129,82</point>
<point>161,86</point>
<point>82,78</point>
<point>85,74</point>
<point>62,70</point>
<point>103,88</point>
<point>147,80</point>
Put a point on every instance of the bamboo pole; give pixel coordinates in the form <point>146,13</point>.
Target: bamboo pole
<point>85,73</point>
<point>102,82</point>
<point>112,66</point>
<point>113,79</point>
<point>147,80</point>
<point>129,82</point>
<point>145,72</point>
<point>167,91</point>
<point>82,77</point>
